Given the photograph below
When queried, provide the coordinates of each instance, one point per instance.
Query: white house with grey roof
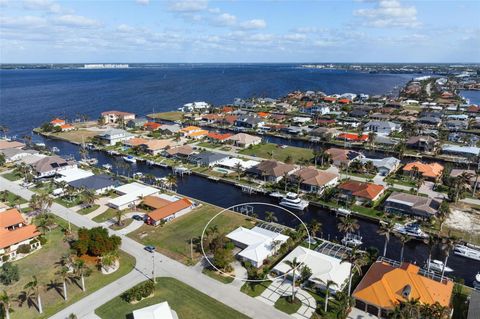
(383, 127)
(384, 166)
(465, 151)
(114, 136)
(207, 158)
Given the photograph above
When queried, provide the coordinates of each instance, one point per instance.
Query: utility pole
(191, 249)
(153, 268)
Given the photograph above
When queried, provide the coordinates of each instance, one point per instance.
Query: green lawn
(212, 273)
(11, 199)
(67, 202)
(124, 224)
(208, 145)
(88, 210)
(173, 238)
(12, 176)
(167, 116)
(283, 304)
(255, 289)
(186, 301)
(43, 264)
(107, 215)
(279, 154)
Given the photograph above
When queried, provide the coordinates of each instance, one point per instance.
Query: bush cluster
(139, 292)
(23, 249)
(96, 242)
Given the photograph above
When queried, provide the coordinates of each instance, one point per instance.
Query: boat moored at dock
(130, 159)
(467, 252)
(412, 230)
(292, 200)
(437, 266)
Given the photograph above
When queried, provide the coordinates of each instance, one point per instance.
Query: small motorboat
(467, 252)
(130, 159)
(412, 230)
(138, 175)
(292, 200)
(276, 194)
(107, 166)
(55, 149)
(476, 281)
(437, 266)
(352, 240)
(343, 211)
(40, 144)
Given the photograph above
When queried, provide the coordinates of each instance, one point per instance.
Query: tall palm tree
(64, 274)
(81, 270)
(89, 197)
(460, 184)
(348, 224)
(386, 229)
(270, 217)
(447, 246)
(315, 227)
(443, 213)
(328, 284)
(293, 265)
(403, 240)
(371, 139)
(34, 286)
(41, 202)
(238, 170)
(119, 215)
(431, 241)
(357, 260)
(285, 180)
(171, 181)
(6, 303)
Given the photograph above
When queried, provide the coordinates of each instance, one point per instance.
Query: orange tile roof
(136, 141)
(263, 114)
(383, 284)
(11, 217)
(364, 190)
(8, 238)
(329, 99)
(190, 128)
(198, 133)
(152, 126)
(57, 121)
(169, 209)
(155, 202)
(66, 126)
(433, 170)
(219, 136)
(227, 109)
(344, 101)
(353, 137)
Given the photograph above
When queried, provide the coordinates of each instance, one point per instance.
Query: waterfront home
(194, 107)
(152, 126)
(325, 133)
(130, 195)
(384, 166)
(210, 118)
(72, 174)
(456, 125)
(463, 151)
(160, 310)
(114, 136)
(385, 141)
(64, 127)
(137, 122)
(51, 165)
(244, 140)
(413, 205)
(16, 154)
(218, 137)
(423, 143)
(340, 156)
(228, 120)
(386, 284)
(4, 144)
(206, 158)
(313, 180)
(429, 171)
(169, 129)
(57, 122)
(383, 127)
(323, 268)
(271, 170)
(232, 163)
(99, 184)
(360, 192)
(166, 208)
(249, 121)
(16, 233)
(474, 176)
(117, 117)
(152, 146)
(180, 152)
(257, 244)
(353, 137)
(31, 159)
(193, 132)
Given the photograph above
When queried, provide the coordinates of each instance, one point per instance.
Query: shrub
(23, 249)
(139, 292)
(5, 258)
(96, 242)
(42, 240)
(9, 274)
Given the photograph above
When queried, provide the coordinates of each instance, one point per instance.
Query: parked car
(137, 217)
(150, 249)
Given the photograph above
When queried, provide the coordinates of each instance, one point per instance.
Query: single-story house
(383, 127)
(5, 144)
(117, 116)
(152, 126)
(114, 136)
(51, 165)
(170, 129)
(160, 310)
(136, 123)
(16, 154)
(464, 151)
(272, 170)
(168, 210)
(360, 191)
(249, 121)
(180, 152)
(341, 156)
(72, 174)
(57, 122)
(423, 143)
(218, 137)
(403, 203)
(257, 244)
(313, 180)
(351, 137)
(207, 158)
(131, 195)
(429, 171)
(97, 183)
(323, 267)
(232, 162)
(385, 165)
(385, 285)
(245, 140)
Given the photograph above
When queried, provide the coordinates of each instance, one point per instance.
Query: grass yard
(167, 116)
(173, 238)
(43, 264)
(125, 223)
(279, 154)
(186, 301)
(12, 176)
(283, 304)
(255, 289)
(76, 136)
(208, 145)
(11, 199)
(107, 215)
(88, 210)
(67, 202)
(212, 273)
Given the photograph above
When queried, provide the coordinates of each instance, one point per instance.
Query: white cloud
(225, 19)
(295, 37)
(44, 5)
(70, 20)
(389, 13)
(188, 5)
(253, 24)
(125, 28)
(143, 2)
(26, 22)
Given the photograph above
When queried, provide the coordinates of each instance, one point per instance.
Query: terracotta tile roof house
(154, 147)
(169, 211)
(115, 116)
(410, 204)
(136, 141)
(271, 170)
(218, 137)
(245, 140)
(314, 180)
(384, 286)
(345, 156)
(229, 119)
(155, 202)
(180, 151)
(429, 171)
(4, 145)
(361, 191)
(57, 122)
(353, 137)
(67, 127)
(14, 232)
(151, 126)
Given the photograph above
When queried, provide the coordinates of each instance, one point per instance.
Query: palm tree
(385, 229)
(34, 286)
(89, 197)
(357, 260)
(371, 139)
(403, 240)
(64, 274)
(443, 213)
(119, 215)
(81, 270)
(270, 217)
(328, 284)
(238, 170)
(348, 224)
(293, 265)
(315, 227)
(419, 184)
(41, 202)
(460, 184)
(5, 302)
(431, 241)
(171, 181)
(447, 246)
(285, 180)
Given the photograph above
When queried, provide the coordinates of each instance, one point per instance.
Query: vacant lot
(274, 151)
(186, 301)
(167, 116)
(77, 136)
(173, 238)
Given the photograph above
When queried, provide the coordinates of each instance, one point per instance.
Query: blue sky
(239, 31)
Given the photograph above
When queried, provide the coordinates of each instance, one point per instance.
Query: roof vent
(406, 291)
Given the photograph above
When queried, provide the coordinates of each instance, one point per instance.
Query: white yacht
(291, 200)
(276, 195)
(476, 282)
(107, 166)
(352, 240)
(467, 252)
(412, 230)
(130, 159)
(437, 266)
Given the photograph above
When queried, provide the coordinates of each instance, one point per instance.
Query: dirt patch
(466, 220)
